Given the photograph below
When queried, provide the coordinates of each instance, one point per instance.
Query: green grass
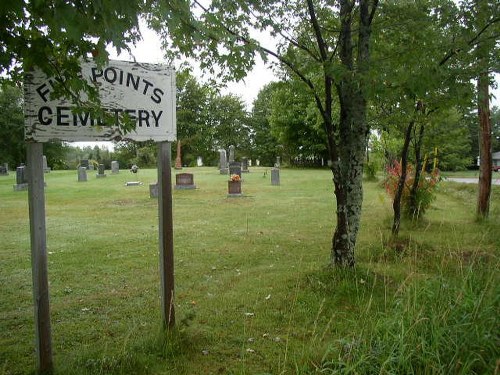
(254, 294)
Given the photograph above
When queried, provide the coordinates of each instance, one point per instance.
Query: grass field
(254, 294)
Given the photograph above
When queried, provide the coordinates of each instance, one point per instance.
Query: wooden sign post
(144, 93)
(36, 198)
(166, 240)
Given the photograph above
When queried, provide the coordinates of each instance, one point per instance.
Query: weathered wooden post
(146, 93)
(166, 234)
(36, 199)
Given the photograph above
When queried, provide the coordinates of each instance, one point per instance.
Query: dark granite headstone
(234, 189)
(235, 168)
(100, 171)
(184, 181)
(84, 163)
(21, 181)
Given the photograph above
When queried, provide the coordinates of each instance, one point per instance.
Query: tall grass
(254, 294)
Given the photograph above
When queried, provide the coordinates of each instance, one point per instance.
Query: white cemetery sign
(145, 93)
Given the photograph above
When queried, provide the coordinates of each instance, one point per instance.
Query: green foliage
(371, 169)
(229, 121)
(12, 146)
(54, 35)
(425, 193)
(296, 122)
(265, 146)
(193, 118)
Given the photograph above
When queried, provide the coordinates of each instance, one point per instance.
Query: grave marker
(21, 181)
(82, 174)
(4, 169)
(100, 171)
(275, 176)
(184, 181)
(115, 167)
(235, 168)
(244, 165)
(222, 162)
(46, 168)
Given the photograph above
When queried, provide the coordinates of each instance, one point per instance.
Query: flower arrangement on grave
(234, 185)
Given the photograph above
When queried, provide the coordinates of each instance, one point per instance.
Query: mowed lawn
(254, 294)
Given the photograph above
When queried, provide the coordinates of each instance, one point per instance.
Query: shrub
(424, 195)
(371, 171)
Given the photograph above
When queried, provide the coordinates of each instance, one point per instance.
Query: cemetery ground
(254, 294)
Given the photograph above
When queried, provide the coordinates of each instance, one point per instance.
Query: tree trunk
(350, 142)
(396, 205)
(414, 208)
(485, 166)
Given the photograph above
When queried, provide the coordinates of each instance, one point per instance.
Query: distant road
(494, 181)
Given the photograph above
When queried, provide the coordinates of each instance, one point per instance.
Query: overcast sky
(149, 50)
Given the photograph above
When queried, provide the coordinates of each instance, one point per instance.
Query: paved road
(494, 181)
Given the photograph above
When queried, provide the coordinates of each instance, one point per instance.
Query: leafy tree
(334, 38)
(265, 146)
(193, 102)
(12, 132)
(229, 121)
(12, 126)
(296, 122)
(53, 35)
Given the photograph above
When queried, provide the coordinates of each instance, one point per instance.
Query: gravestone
(100, 171)
(91, 167)
(84, 163)
(46, 168)
(4, 169)
(275, 176)
(199, 161)
(235, 168)
(234, 189)
(133, 183)
(21, 181)
(153, 190)
(231, 154)
(244, 165)
(222, 162)
(257, 163)
(82, 174)
(278, 162)
(115, 167)
(184, 181)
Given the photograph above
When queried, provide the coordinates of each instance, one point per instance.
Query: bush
(371, 171)
(424, 195)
